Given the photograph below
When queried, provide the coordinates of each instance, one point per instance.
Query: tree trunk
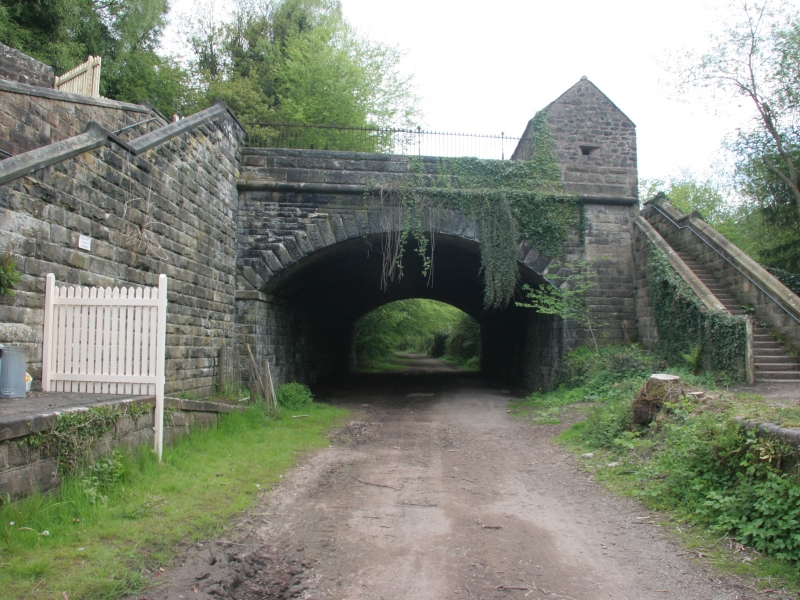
(657, 390)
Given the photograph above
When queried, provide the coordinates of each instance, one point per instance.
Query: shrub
(9, 276)
(294, 395)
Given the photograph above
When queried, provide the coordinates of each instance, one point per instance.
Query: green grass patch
(102, 546)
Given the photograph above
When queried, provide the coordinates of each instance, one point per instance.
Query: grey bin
(12, 372)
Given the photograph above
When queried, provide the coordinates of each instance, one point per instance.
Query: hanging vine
(506, 199)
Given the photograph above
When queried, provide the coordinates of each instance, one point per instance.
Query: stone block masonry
(171, 209)
(647, 329)
(594, 143)
(21, 68)
(608, 242)
(298, 347)
(32, 117)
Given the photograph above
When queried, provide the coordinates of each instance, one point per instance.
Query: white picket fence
(83, 79)
(106, 341)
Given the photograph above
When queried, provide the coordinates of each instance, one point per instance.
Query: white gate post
(160, 358)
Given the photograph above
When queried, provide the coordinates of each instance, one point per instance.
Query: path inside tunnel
(435, 489)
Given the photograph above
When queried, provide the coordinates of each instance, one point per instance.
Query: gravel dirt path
(435, 491)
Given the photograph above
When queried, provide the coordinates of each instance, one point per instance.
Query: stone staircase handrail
(706, 296)
(750, 269)
(95, 136)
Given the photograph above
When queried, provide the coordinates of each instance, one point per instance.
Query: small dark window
(588, 150)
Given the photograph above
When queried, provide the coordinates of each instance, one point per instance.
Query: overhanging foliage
(508, 200)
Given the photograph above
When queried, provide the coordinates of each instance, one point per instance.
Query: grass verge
(732, 498)
(64, 542)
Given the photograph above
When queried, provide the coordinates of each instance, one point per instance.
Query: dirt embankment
(434, 491)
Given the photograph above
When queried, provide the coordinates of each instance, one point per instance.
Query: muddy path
(435, 491)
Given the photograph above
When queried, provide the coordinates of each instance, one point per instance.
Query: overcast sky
(487, 67)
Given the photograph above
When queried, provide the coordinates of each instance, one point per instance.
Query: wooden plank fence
(106, 341)
(83, 79)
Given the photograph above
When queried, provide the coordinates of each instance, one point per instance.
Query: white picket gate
(83, 79)
(106, 341)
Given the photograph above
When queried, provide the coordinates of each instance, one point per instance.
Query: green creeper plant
(507, 199)
(683, 323)
(568, 295)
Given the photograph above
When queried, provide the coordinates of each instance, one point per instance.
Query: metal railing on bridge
(383, 141)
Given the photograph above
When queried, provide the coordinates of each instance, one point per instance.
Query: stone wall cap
(202, 405)
(39, 158)
(785, 434)
(43, 92)
(163, 134)
(20, 425)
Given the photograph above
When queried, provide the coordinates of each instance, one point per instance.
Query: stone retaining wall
(21, 68)
(32, 117)
(181, 194)
(25, 470)
(298, 347)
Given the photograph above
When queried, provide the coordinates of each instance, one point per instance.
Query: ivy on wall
(71, 439)
(686, 326)
(507, 200)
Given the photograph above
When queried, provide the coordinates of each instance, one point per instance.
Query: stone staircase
(773, 363)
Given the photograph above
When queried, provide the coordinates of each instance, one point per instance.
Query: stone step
(777, 367)
(772, 362)
(778, 376)
(761, 351)
(775, 359)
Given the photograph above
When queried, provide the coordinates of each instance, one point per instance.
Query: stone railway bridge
(280, 249)
(309, 238)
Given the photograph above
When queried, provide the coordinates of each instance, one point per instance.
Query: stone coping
(785, 434)
(23, 416)
(268, 185)
(42, 92)
(163, 134)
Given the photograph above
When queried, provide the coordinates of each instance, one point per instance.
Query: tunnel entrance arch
(302, 316)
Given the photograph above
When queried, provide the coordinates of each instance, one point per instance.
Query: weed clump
(294, 395)
(694, 459)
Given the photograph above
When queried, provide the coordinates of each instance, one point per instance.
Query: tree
(567, 295)
(298, 61)
(687, 193)
(757, 58)
(410, 324)
(125, 33)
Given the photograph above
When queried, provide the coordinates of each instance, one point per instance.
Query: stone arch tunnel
(309, 265)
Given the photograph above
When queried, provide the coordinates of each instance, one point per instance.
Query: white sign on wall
(85, 242)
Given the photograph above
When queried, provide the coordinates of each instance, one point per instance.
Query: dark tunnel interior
(331, 289)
